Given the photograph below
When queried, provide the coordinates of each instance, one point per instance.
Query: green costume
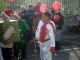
(23, 26)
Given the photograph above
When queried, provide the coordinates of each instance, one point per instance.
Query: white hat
(23, 6)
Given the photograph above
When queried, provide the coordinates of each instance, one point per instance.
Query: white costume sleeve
(8, 33)
(51, 35)
(37, 35)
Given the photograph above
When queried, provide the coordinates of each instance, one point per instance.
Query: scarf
(43, 31)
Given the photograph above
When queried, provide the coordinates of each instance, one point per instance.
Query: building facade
(69, 7)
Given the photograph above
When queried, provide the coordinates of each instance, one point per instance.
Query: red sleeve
(34, 8)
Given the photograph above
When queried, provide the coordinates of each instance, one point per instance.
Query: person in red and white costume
(45, 35)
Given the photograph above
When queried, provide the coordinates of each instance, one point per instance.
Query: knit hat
(8, 13)
(47, 14)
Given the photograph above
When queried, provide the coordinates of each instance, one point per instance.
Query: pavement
(70, 50)
(65, 36)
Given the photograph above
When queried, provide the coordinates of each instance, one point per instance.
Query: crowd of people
(47, 33)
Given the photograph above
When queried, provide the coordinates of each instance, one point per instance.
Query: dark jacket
(31, 15)
(23, 15)
(28, 15)
(52, 11)
(60, 22)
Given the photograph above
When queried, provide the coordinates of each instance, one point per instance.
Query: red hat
(18, 14)
(8, 13)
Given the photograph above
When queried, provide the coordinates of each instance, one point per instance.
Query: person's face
(4, 17)
(22, 9)
(38, 3)
(31, 8)
(44, 17)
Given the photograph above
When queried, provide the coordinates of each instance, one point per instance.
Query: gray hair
(22, 6)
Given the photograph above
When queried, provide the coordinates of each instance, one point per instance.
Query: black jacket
(60, 22)
(23, 15)
(29, 15)
(52, 11)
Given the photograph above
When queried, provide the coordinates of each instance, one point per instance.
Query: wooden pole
(35, 51)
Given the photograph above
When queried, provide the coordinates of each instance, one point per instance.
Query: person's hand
(52, 49)
(36, 41)
(56, 26)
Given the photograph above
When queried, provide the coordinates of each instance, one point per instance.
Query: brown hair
(30, 6)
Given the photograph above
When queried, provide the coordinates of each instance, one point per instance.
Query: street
(70, 50)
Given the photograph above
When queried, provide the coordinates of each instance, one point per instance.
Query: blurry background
(69, 7)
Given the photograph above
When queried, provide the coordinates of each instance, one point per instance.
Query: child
(7, 48)
(23, 27)
(45, 34)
